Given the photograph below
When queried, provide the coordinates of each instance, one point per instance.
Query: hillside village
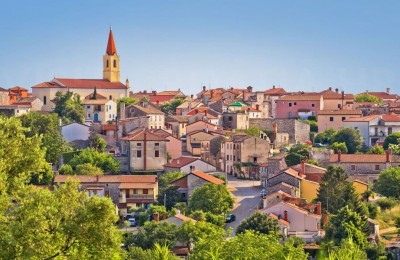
(303, 160)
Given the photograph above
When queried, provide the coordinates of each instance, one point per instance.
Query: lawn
(386, 218)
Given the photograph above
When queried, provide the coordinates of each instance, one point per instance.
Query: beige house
(100, 110)
(146, 151)
(194, 140)
(126, 191)
(334, 118)
(237, 120)
(176, 124)
(156, 118)
(333, 100)
(188, 165)
(110, 85)
(174, 145)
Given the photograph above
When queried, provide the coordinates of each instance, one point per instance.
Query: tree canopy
(211, 198)
(69, 106)
(259, 222)
(170, 107)
(376, 149)
(297, 153)
(352, 137)
(336, 147)
(106, 162)
(367, 98)
(391, 139)
(388, 183)
(325, 137)
(44, 224)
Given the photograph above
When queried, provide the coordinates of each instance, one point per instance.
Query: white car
(132, 221)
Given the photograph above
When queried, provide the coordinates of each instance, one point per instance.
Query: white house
(188, 165)
(75, 131)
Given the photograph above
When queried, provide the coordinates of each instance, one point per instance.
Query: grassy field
(386, 218)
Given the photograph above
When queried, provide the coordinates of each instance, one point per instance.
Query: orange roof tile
(359, 158)
(208, 177)
(180, 162)
(339, 112)
(361, 119)
(143, 134)
(301, 97)
(107, 178)
(275, 91)
(111, 48)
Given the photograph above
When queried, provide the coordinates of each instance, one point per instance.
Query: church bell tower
(111, 61)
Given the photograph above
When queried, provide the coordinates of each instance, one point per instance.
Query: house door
(96, 117)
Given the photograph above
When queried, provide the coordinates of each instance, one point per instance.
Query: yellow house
(308, 189)
(360, 187)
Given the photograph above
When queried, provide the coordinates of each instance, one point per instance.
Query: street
(246, 197)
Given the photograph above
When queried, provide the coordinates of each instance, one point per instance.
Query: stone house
(156, 118)
(288, 181)
(235, 120)
(298, 131)
(177, 125)
(210, 150)
(269, 104)
(204, 114)
(335, 101)
(126, 191)
(194, 139)
(188, 183)
(146, 152)
(334, 118)
(187, 106)
(174, 146)
(364, 167)
(188, 165)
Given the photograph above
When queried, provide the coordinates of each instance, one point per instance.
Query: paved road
(247, 198)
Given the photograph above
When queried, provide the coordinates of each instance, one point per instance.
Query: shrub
(386, 203)
(66, 169)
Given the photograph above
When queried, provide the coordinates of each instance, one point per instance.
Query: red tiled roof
(17, 88)
(391, 118)
(160, 98)
(111, 48)
(208, 177)
(98, 96)
(359, 158)
(272, 215)
(109, 127)
(361, 119)
(301, 97)
(339, 112)
(142, 134)
(107, 178)
(81, 83)
(168, 93)
(180, 162)
(275, 91)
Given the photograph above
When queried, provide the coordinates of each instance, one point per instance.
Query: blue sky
(169, 44)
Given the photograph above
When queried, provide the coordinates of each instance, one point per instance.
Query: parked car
(183, 138)
(230, 218)
(318, 145)
(263, 193)
(132, 221)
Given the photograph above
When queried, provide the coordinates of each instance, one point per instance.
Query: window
(290, 104)
(110, 97)
(107, 64)
(109, 107)
(230, 119)
(227, 157)
(44, 100)
(192, 168)
(234, 158)
(135, 191)
(343, 118)
(157, 144)
(139, 144)
(294, 103)
(109, 116)
(87, 107)
(377, 167)
(339, 106)
(331, 118)
(139, 153)
(88, 115)
(145, 191)
(353, 167)
(115, 63)
(313, 105)
(156, 153)
(390, 131)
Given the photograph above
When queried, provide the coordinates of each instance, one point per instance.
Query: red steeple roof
(111, 49)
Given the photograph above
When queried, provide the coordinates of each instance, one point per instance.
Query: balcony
(378, 134)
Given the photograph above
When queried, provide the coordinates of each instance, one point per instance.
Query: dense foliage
(211, 198)
(391, 139)
(336, 147)
(170, 107)
(296, 154)
(69, 107)
(351, 137)
(388, 183)
(367, 98)
(376, 149)
(259, 222)
(168, 193)
(106, 162)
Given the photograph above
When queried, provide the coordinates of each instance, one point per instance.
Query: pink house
(303, 105)
(174, 146)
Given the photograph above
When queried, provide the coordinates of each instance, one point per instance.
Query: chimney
(156, 218)
(144, 91)
(302, 168)
(205, 113)
(388, 155)
(258, 107)
(158, 102)
(388, 90)
(204, 88)
(196, 111)
(191, 96)
(177, 161)
(212, 93)
(339, 154)
(330, 88)
(273, 86)
(337, 90)
(154, 92)
(122, 110)
(285, 215)
(319, 208)
(325, 219)
(249, 89)
(164, 215)
(127, 83)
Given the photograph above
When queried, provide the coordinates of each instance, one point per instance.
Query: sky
(169, 44)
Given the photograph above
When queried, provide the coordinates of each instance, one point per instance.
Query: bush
(66, 169)
(217, 220)
(336, 147)
(88, 169)
(143, 218)
(386, 203)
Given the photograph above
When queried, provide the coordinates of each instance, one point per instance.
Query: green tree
(97, 143)
(88, 169)
(170, 196)
(170, 107)
(388, 183)
(367, 98)
(348, 249)
(66, 169)
(336, 147)
(104, 161)
(325, 137)
(127, 100)
(211, 198)
(69, 106)
(59, 224)
(157, 253)
(198, 215)
(386, 203)
(153, 232)
(346, 224)
(191, 232)
(252, 130)
(376, 149)
(48, 127)
(20, 156)
(297, 153)
(166, 178)
(391, 139)
(352, 137)
(259, 222)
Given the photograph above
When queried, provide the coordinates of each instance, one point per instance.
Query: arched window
(107, 63)
(115, 63)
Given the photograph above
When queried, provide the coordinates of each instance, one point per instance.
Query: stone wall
(299, 132)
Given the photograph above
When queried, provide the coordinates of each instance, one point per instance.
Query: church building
(110, 86)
